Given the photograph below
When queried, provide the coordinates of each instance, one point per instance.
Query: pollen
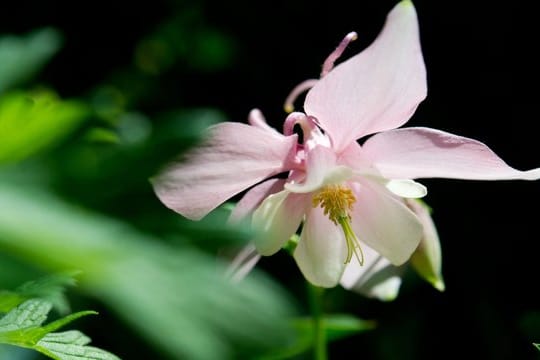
(337, 202)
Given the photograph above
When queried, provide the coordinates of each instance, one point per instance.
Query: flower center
(337, 201)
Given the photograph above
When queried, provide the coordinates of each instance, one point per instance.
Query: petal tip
(407, 188)
(388, 290)
(439, 284)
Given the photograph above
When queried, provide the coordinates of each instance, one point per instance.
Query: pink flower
(352, 200)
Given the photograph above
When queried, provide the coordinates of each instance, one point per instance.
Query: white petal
(386, 290)
(253, 198)
(277, 219)
(384, 223)
(322, 250)
(406, 188)
(377, 278)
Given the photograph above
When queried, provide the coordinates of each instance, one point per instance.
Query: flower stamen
(337, 201)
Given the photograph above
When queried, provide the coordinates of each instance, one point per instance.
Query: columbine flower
(352, 200)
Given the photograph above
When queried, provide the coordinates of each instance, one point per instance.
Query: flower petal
(376, 90)
(377, 278)
(322, 250)
(321, 169)
(384, 223)
(406, 188)
(234, 157)
(254, 197)
(427, 259)
(423, 152)
(356, 274)
(242, 264)
(353, 157)
(256, 118)
(277, 219)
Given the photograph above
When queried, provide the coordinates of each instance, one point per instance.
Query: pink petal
(254, 197)
(256, 118)
(384, 223)
(321, 169)
(377, 278)
(234, 157)
(354, 157)
(322, 250)
(242, 264)
(277, 219)
(376, 90)
(422, 152)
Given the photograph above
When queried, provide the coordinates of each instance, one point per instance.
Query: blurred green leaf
(131, 150)
(22, 326)
(28, 124)
(102, 135)
(185, 39)
(83, 169)
(176, 297)
(18, 273)
(21, 57)
(212, 50)
(10, 352)
(50, 288)
(537, 346)
(337, 326)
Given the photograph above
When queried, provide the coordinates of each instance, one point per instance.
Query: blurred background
(129, 86)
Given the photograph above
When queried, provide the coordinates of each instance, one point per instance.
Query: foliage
(22, 57)
(336, 326)
(22, 324)
(50, 288)
(30, 123)
(75, 196)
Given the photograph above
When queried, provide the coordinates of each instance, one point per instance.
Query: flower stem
(319, 333)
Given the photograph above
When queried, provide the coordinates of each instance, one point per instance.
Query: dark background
(481, 84)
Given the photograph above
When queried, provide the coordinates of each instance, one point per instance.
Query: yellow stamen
(353, 245)
(337, 201)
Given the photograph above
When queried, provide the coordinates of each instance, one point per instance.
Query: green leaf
(165, 292)
(9, 299)
(337, 326)
(31, 313)
(537, 346)
(28, 124)
(71, 345)
(50, 288)
(22, 327)
(21, 57)
(102, 135)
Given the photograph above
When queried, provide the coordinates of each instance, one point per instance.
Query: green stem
(319, 333)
